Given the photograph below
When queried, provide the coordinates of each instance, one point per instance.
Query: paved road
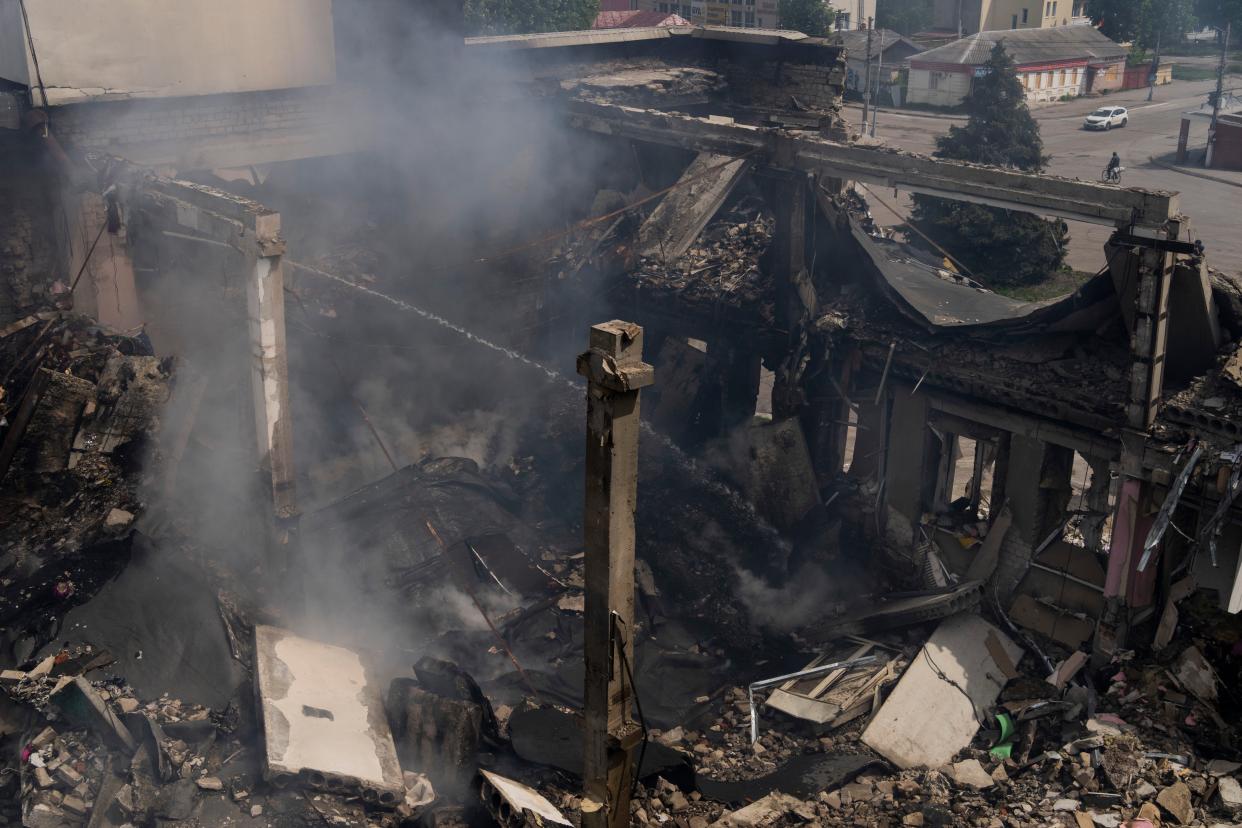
(1214, 207)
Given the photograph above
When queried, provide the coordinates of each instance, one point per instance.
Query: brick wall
(28, 262)
(214, 130)
(817, 86)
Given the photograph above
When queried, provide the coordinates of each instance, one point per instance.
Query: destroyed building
(305, 519)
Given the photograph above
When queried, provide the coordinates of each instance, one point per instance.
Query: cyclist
(1113, 172)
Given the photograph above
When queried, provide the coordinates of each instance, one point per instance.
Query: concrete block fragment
(323, 719)
(930, 715)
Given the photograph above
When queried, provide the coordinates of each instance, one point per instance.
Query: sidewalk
(1135, 99)
(1231, 177)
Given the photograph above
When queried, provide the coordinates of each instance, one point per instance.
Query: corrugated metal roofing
(855, 41)
(1028, 46)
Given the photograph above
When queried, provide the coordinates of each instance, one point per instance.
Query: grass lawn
(1188, 72)
(1065, 281)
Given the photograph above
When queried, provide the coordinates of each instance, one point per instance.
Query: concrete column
(910, 467)
(269, 371)
(1124, 586)
(1038, 489)
(615, 372)
(795, 294)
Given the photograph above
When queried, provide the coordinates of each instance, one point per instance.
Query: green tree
(494, 17)
(1219, 12)
(998, 246)
(1117, 19)
(1145, 23)
(906, 16)
(813, 17)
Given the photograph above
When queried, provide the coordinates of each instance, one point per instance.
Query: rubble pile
(79, 408)
(723, 268)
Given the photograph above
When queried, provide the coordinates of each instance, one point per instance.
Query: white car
(1107, 117)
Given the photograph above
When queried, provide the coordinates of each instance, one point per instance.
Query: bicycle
(1111, 175)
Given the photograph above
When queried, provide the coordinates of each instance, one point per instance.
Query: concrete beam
(1087, 443)
(1044, 194)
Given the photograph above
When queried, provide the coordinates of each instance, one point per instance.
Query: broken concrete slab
(872, 615)
(934, 710)
(761, 812)
(509, 802)
(323, 719)
(1057, 624)
(1196, 675)
(435, 735)
(970, 773)
(683, 213)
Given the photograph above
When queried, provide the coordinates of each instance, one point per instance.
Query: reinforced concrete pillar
(269, 375)
(615, 375)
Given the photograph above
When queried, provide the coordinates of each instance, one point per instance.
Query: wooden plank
(815, 662)
(933, 711)
(878, 678)
(832, 677)
(799, 706)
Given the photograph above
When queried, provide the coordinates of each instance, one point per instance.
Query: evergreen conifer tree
(1000, 247)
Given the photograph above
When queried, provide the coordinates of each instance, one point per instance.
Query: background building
(1051, 63)
(890, 56)
(971, 16)
(853, 14)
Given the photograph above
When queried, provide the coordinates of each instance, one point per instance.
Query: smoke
(805, 596)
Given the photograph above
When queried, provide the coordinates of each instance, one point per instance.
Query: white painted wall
(950, 88)
(88, 50)
(1054, 84)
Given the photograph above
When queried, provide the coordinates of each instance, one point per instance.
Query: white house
(1052, 63)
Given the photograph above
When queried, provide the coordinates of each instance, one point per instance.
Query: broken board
(323, 719)
(934, 710)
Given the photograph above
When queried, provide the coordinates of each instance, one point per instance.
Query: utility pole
(1220, 94)
(1155, 69)
(875, 108)
(867, 80)
(959, 19)
(615, 374)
